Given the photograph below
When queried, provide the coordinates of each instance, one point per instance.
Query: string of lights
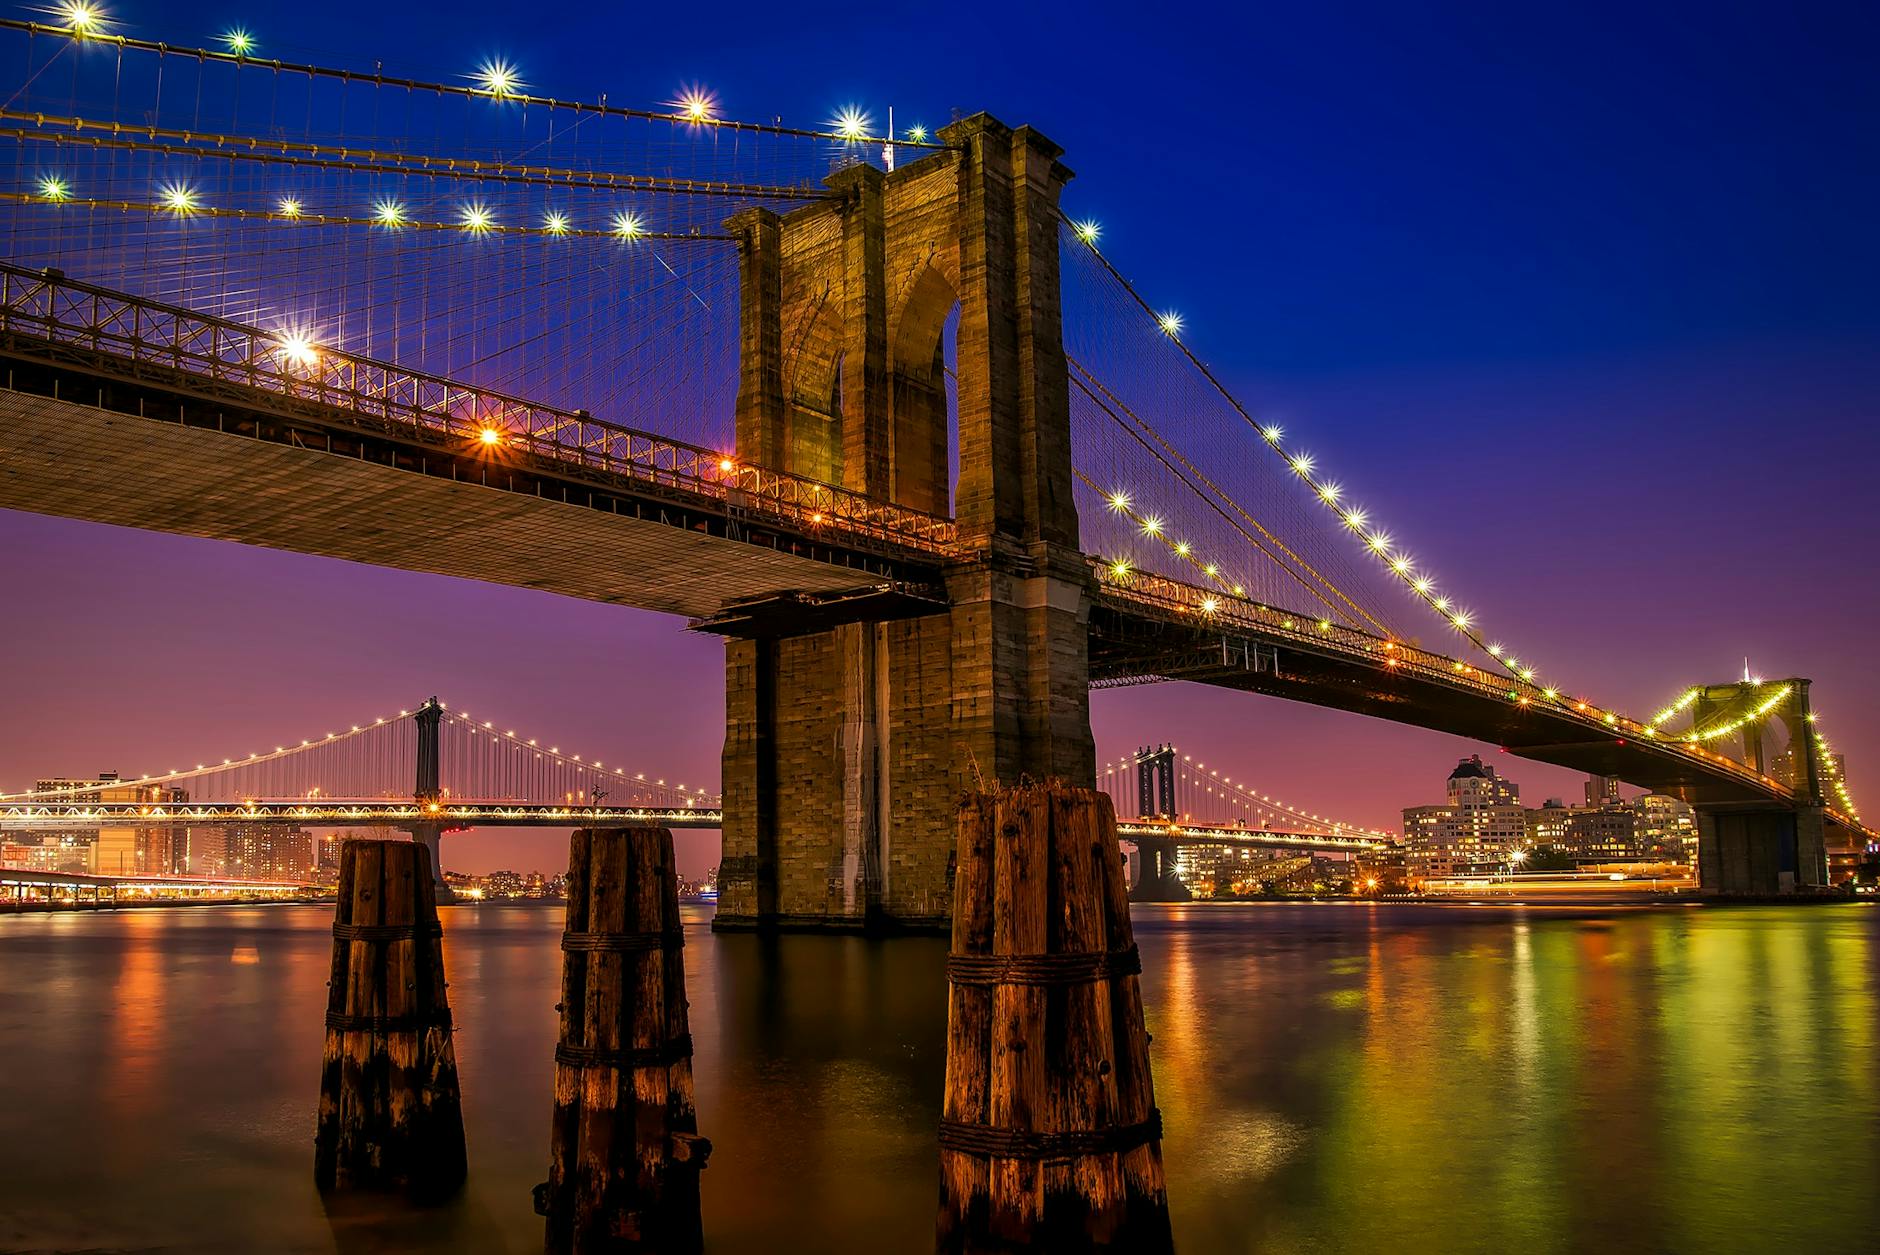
(1104, 399)
(174, 774)
(574, 761)
(1831, 770)
(495, 80)
(179, 200)
(1728, 727)
(1120, 775)
(1255, 798)
(174, 142)
(1676, 708)
(1376, 541)
(247, 762)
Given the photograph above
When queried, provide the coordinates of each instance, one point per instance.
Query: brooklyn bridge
(873, 406)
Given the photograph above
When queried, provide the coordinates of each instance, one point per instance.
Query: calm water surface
(1334, 1078)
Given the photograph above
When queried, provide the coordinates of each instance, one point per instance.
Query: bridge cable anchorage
(1303, 466)
(1085, 381)
(489, 91)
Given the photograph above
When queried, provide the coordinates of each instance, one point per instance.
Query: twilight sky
(1579, 300)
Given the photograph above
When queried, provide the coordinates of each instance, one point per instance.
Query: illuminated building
(1666, 828)
(118, 851)
(1212, 871)
(1602, 791)
(267, 852)
(1473, 832)
(1588, 834)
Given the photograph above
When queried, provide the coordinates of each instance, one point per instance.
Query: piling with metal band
(1049, 1135)
(625, 1152)
(390, 1112)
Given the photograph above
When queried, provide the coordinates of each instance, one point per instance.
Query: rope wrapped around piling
(1043, 969)
(622, 943)
(976, 1139)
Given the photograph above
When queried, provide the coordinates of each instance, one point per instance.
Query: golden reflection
(139, 1014)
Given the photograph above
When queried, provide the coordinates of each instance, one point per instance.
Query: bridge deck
(80, 461)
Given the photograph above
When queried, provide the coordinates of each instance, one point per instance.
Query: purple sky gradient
(1580, 305)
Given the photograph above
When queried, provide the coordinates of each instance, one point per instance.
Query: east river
(1333, 1078)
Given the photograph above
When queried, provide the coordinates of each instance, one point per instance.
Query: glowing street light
(299, 350)
(476, 219)
(389, 213)
(490, 436)
(239, 42)
(54, 188)
(555, 224)
(917, 133)
(1170, 322)
(178, 197)
(696, 104)
(289, 207)
(851, 123)
(628, 227)
(498, 78)
(81, 19)
(1087, 230)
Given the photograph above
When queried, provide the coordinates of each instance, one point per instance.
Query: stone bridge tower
(1761, 850)
(845, 748)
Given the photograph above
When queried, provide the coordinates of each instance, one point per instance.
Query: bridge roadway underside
(157, 458)
(1129, 642)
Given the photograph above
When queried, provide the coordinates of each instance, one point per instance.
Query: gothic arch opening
(812, 435)
(923, 428)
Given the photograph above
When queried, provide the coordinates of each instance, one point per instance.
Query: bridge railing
(1190, 603)
(46, 305)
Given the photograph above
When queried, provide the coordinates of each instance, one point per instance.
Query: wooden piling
(1049, 1135)
(390, 1112)
(625, 1152)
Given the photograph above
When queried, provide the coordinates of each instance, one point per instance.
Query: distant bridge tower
(1155, 782)
(428, 790)
(1755, 848)
(847, 739)
(430, 718)
(1157, 879)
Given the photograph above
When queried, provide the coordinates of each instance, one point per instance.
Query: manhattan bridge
(872, 405)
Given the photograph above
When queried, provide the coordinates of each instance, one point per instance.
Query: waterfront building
(1474, 831)
(253, 852)
(1221, 871)
(1666, 828)
(1587, 834)
(1602, 791)
(114, 851)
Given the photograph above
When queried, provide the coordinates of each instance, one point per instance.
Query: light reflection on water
(1333, 1079)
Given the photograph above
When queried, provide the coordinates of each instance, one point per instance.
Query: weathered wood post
(1049, 1135)
(625, 1152)
(390, 1113)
